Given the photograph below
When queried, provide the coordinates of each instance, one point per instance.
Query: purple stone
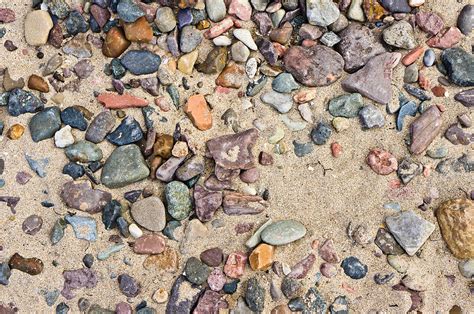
(185, 17)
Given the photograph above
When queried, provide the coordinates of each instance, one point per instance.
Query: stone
(347, 106)
(115, 43)
(190, 38)
(191, 168)
(129, 11)
(183, 296)
(261, 257)
(374, 79)
(32, 224)
(212, 257)
(429, 58)
(83, 151)
(80, 195)
(455, 219)
(216, 279)
(20, 102)
(268, 50)
(314, 66)
(371, 117)
(124, 166)
(114, 101)
(235, 203)
(291, 288)
(100, 126)
(160, 296)
(429, 22)
(206, 202)
(466, 268)
(167, 261)
(73, 117)
(321, 12)
(283, 232)
(105, 254)
(37, 83)
(198, 111)
(76, 279)
(78, 47)
(284, 83)
(139, 31)
(5, 274)
(410, 230)
(215, 61)
(140, 62)
(279, 101)
(241, 9)
(15, 132)
(425, 129)
(7, 15)
(195, 271)
(10, 84)
(328, 252)
(330, 39)
(31, 265)
(100, 15)
(254, 295)
(339, 306)
(167, 170)
(385, 241)
(408, 169)
(128, 285)
(396, 6)
(149, 213)
(210, 302)
(400, 35)
(231, 76)
(216, 10)
(239, 52)
(165, 19)
(75, 23)
(235, 265)
(44, 124)
(465, 97)
(446, 38)
(178, 200)
(466, 19)
(37, 25)
(354, 268)
(186, 62)
(459, 65)
(321, 133)
(382, 162)
(128, 131)
(282, 34)
(85, 228)
(149, 244)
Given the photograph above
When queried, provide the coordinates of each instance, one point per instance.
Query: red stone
(7, 15)
(235, 265)
(412, 56)
(149, 244)
(115, 101)
(336, 149)
(381, 161)
(429, 22)
(445, 39)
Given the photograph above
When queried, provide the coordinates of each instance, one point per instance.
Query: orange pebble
(412, 56)
(336, 149)
(198, 111)
(261, 257)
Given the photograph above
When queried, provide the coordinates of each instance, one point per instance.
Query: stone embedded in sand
(85, 228)
(76, 279)
(425, 129)
(149, 244)
(38, 83)
(178, 200)
(445, 39)
(115, 43)
(232, 76)
(206, 202)
(7, 15)
(212, 257)
(410, 230)
(459, 65)
(301, 269)
(261, 257)
(183, 296)
(186, 62)
(83, 151)
(234, 151)
(198, 111)
(314, 66)
(140, 62)
(115, 101)
(374, 80)
(456, 221)
(167, 261)
(139, 31)
(128, 285)
(240, 204)
(215, 61)
(429, 22)
(191, 168)
(283, 232)
(235, 265)
(412, 56)
(37, 25)
(32, 266)
(167, 169)
(20, 102)
(465, 97)
(80, 195)
(327, 251)
(466, 19)
(149, 213)
(381, 161)
(211, 302)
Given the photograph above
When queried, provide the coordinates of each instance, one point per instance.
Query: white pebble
(160, 296)
(135, 231)
(245, 36)
(246, 104)
(63, 137)
(416, 3)
(222, 41)
(251, 67)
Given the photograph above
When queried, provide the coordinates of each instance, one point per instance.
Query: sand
(349, 193)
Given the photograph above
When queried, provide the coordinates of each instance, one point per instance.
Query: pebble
(355, 11)
(76, 279)
(35, 82)
(83, 151)
(212, 257)
(105, 254)
(37, 165)
(7, 15)
(178, 200)
(231, 76)
(321, 12)
(284, 83)
(254, 295)
(445, 39)
(371, 117)
(381, 162)
(100, 126)
(128, 285)
(160, 296)
(129, 11)
(128, 131)
(75, 23)
(385, 241)
(407, 108)
(81, 196)
(215, 61)
(140, 62)
(459, 65)
(465, 97)
(321, 133)
(396, 6)
(20, 102)
(282, 34)
(115, 43)
(190, 38)
(261, 257)
(183, 296)
(466, 19)
(198, 111)
(32, 224)
(239, 52)
(37, 25)
(410, 230)
(165, 19)
(22, 177)
(15, 132)
(149, 213)
(88, 260)
(283, 232)
(347, 106)
(57, 232)
(328, 252)
(330, 39)
(30, 265)
(429, 22)
(44, 124)
(73, 117)
(354, 268)
(466, 268)
(195, 271)
(279, 101)
(149, 244)
(339, 306)
(425, 129)
(63, 137)
(245, 37)
(124, 166)
(429, 58)
(85, 228)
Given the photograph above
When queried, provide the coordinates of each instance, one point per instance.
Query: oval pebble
(354, 268)
(429, 57)
(283, 232)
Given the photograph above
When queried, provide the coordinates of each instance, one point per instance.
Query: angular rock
(445, 39)
(100, 126)
(206, 203)
(128, 131)
(20, 102)
(183, 296)
(460, 66)
(429, 22)
(80, 195)
(255, 295)
(83, 151)
(76, 279)
(114, 101)
(466, 97)
(149, 244)
(425, 129)
(44, 124)
(37, 25)
(321, 12)
(85, 228)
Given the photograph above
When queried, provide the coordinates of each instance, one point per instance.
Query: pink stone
(241, 9)
(123, 308)
(216, 279)
(301, 269)
(7, 15)
(445, 39)
(328, 252)
(223, 90)
(328, 270)
(424, 130)
(235, 265)
(381, 161)
(219, 28)
(149, 244)
(429, 22)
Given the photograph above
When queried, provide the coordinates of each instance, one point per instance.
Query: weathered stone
(44, 124)
(459, 65)
(425, 129)
(149, 213)
(149, 244)
(81, 196)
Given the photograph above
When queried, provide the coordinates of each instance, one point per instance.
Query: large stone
(140, 62)
(44, 124)
(374, 80)
(465, 97)
(149, 213)
(400, 35)
(20, 102)
(37, 25)
(283, 232)
(81, 196)
(425, 129)
(460, 66)
(314, 66)
(456, 221)
(124, 166)
(178, 200)
(321, 12)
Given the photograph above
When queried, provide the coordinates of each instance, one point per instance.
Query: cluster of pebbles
(278, 54)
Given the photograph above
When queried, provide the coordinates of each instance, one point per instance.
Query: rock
(168, 261)
(412, 56)
(387, 243)
(455, 219)
(165, 19)
(20, 102)
(254, 295)
(396, 6)
(178, 200)
(114, 101)
(321, 12)
(191, 168)
(216, 10)
(321, 133)
(241, 9)
(374, 79)
(73, 117)
(32, 224)
(44, 124)
(240, 204)
(410, 230)
(149, 213)
(5, 274)
(408, 169)
(466, 19)
(291, 288)
(149, 244)
(102, 124)
(425, 129)
(124, 166)
(283, 232)
(140, 62)
(128, 131)
(100, 15)
(183, 296)
(330, 39)
(129, 11)
(429, 58)
(36, 82)
(198, 111)
(459, 65)
(186, 62)
(281, 102)
(215, 61)
(328, 252)
(234, 151)
(110, 214)
(76, 279)
(268, 50)
(210, 302)
(314, 66)
(245, 37)
(283, 34)
(206, 202)
(83, 151)
(445, 39)
(115, 43)
(105, 254)
(261, 257)
(7, 15)
(85, 228)
(429, 22)
(347, 106)
(411, 74)
(10, 84)
(190, 38)
(216, 279)
(128, 285)
(465, 97)
(239, 52)
(32, 266)
(37, 26)
(212, 257)
(400, 35)
(231, 76)
(78, 47)
(52, 65)
(371, 117)
(81, 196)
(354, 268)
(235, 264)
(139, 31)
(195, 271)
(284, 83)
(466, 268)
(57, 232)
(381, 162)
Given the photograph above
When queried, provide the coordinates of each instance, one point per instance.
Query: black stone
(255, 295)
(88, 260)
(132, 196)
(74, 170)
(20, 102)
(129, 131)
(118, 70)
(74, 117)
(62, 308)
(321, 133)
(354, 268)
(110, 214)
(231, 287)
(459, 65)
(75, 23)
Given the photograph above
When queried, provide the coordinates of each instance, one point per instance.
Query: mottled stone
(149, 244)
(81, 196)
(425, 129)
(459, 65)
(44, 124)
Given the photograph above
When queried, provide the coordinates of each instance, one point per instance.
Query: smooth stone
(128, 285)
(354, 268)
(31, 265)
(178, 200)
(149, 213)
(245, 37)
(410, 230)
(83, 151)
(355, 11)
(32, 224)
(190, 38)
(371, 117)
(321, 12)
(281, 102)
(149, 244)
(255, 295)
(466, 97)
(284, 83)
(128, 131)
(140, 62)
(37, 25)
(216, 10)
(63, 137)
(409, 108)
(396, 6)
(400, 35)
(429, 57)
(85, 228)
(73, 117)
(195, 271)
(321, 133)
(466, 268)
(57, 232)
(129, 11)
(124, 166)
(165, 19)
(330, 39)
(339, 306)
(465, 21)
(425, 129)
(239, 52)
(44, 124)
(387, 244)
(302, 149)
(283, 232)
(459, 65)
(347, 106)
(100, 126)
(20, 102)
(212, 257)
(80, 195)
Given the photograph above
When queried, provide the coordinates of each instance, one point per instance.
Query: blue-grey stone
(321, 133)
(283, 232)
(408, 108)
(140, 62)
(74, 117)
(416, 92)
(75, 23)
(396, 6)
(105, 254)
(459, 65)
(354, 268)
(371, 117)
(190, 38)
(110, 214)
(429, 57)
(57, 233)
(284, 83)
(20, 102)
(5, 274)
(347, 106)
(129, 11)
(85, 228)
(466, 19)
(302, 149)
(44, 124)
(83, 151)
(74, 170)
(37, 165)
(50, 296)
(128, 131)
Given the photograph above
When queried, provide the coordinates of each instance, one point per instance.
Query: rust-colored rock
(116, 101)
(15, 131)
(115, 43)
(198, 111)
(439, 91)
(412, 56)
(281, 309)
(381, 161)
(235, 265)
(36, 82)
(456, 221)
(139, 31)
(168, 261)
(373, 10)
(149, 244)
(261, 257)
(445, 39)
(163, 146)
(32, 266)
(232, 76)
(424, 130)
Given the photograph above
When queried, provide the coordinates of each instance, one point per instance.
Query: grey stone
(400, 35)
(149, 213)
(459, 65)
(83, 151)
(100, 126)
(347, 106)
(283, 232)
(140, 62)
(371, 117)
(321, 12)
(85, 228)
(44, 124)
(178, 200)
(20, 102)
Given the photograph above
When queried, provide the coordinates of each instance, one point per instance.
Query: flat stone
(191, 168)
(115, 43)
(37, 25)
(371, 117)
(74, 117)
(85, 228)
(385, 241)
(279, 101)
(206, 202)
(283, 232)
(410, 230)
(382, 162)
(149, 213)
(195, 271)
(128, 285)
(32, 224)
(44, 124)
(212, 257)
(167, 170)
(100, 126)
(396, 6)
(76, 279)
(124, 166)
(190, 38)
(129, 11)
(400, 35)
(216, 10)
(459, 65)
(321, 12)
(425, 129)
(80, 195)
(140, 62)
(165, 262)
(149, 244)
(183, 296)
(255, 295)
(83, 151)
(165, 19)
(215, 61)
(446, 38)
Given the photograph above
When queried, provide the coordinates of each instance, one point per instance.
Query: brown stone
(139, 31)
(212, 257)
(456, 221)
(373, 10)
(168, 261)
(15, 131)
(424, 130)
(163, 146)
(232, 76)
(36, 82)
(261, 257)
(283, 34)
(281, 309)
(32, 266)
(115, 43)
(149, 244)
(240, 204)
(80, 195)
(198, 111)
(412, 56)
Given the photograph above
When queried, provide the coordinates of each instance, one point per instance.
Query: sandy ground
(350, 193)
